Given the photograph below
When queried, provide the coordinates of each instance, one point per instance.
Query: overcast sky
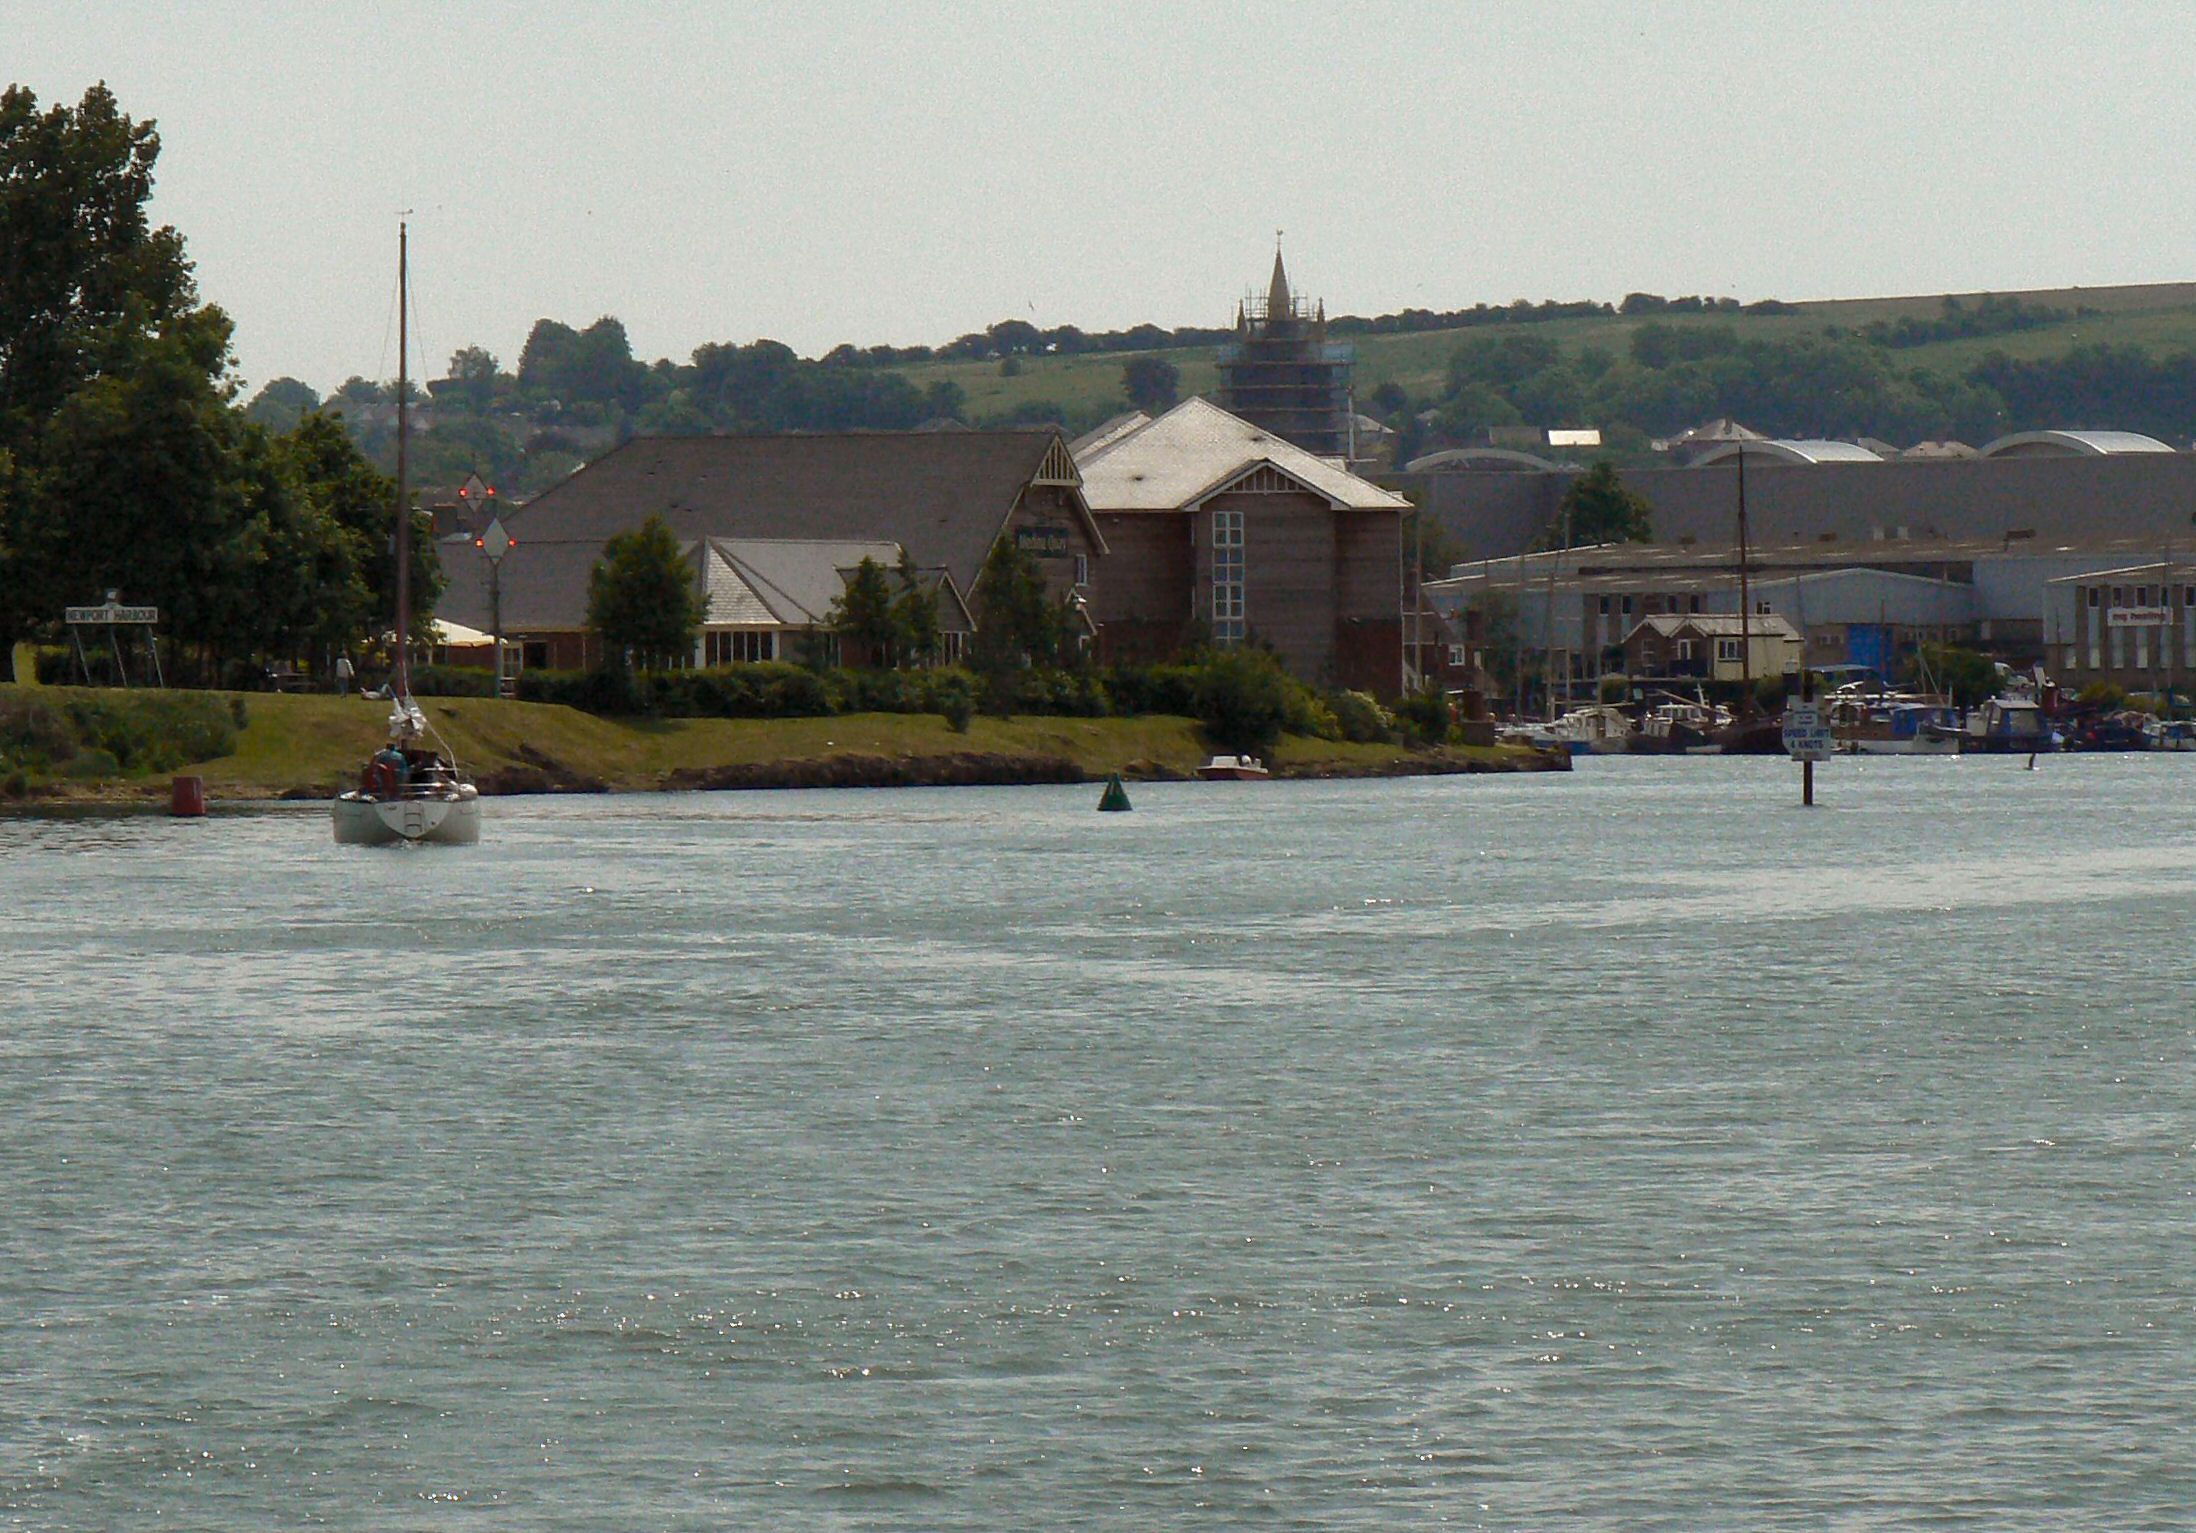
(903, 172)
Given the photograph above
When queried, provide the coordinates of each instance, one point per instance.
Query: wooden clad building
(1218, 529)
(749, 505)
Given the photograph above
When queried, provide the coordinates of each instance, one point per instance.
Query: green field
(2158, 316)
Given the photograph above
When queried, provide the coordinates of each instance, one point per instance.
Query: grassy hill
(2158, 316)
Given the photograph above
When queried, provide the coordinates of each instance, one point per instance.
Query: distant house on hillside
(1219, 529)
(772, 524)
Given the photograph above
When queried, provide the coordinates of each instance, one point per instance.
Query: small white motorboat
(1233, 769)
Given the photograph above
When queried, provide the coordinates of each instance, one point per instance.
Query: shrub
(2103, 696)
(953, 694)
(1359, 717)
(1066, 693)
(93, 763)
(1243, 698)
(1424, 716)
(1136, 689)
(34, 733)
(452, 681)
(151, 731)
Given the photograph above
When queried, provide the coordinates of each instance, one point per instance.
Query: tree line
(125, 464)
(1840, 384)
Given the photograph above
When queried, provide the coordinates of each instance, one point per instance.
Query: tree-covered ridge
(1832, 383)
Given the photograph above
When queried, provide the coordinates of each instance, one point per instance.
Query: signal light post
(494, 543)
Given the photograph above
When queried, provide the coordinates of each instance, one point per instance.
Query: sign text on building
(1044, 542)
(2137, 617)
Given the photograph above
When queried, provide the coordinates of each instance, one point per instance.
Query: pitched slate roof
(792, 581)
(942, 495)
(1196, 448)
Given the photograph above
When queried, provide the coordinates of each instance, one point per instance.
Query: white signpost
(1807, 740)
(1806, 731)
(113, 615)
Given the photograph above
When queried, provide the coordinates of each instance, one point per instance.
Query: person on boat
(393, 769)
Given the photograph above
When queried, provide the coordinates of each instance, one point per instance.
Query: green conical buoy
(1115, 800)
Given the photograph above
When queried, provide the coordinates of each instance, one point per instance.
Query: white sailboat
(412, 788)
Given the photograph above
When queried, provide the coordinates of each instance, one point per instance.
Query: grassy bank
(313, 745)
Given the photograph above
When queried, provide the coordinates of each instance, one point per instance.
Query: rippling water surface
(1631, 1149)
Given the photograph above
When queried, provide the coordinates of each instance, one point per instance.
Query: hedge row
(1244, 695)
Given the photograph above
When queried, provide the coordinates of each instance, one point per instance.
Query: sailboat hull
(452, 820)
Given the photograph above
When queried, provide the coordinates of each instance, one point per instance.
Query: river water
(1631, 1149)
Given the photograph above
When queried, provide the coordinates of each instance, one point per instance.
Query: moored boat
(2004, 726)
(1895, 727)
(1233, 769)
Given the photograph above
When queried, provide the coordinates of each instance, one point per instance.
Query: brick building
(1218, 529)
(773, 522)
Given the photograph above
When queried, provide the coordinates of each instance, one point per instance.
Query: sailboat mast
(403, 511)
(1746, 599)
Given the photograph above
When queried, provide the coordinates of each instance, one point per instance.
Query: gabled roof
(1714, 625)
(1196, 450)
(1109, 432)
(792, 581)
(944, 496)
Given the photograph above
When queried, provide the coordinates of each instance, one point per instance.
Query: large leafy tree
(104, 348)
(1600, 507)
(1151, 384)
(1018, 622)
(358, 583)
(83, 270)
(642, 598)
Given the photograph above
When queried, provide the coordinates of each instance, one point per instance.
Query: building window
(1082, 569)
(1456, 656)
(952, 645)
(1227, 577)
(534, 654)
(1684, 650)
(743, 646)
(2119, 596)
(2094, 593)
(1627, 606)
(1692, 604)
(1605, 606)
(1727, 651)
(2142, 596)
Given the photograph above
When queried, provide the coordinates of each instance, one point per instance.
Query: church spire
(1277, 297)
